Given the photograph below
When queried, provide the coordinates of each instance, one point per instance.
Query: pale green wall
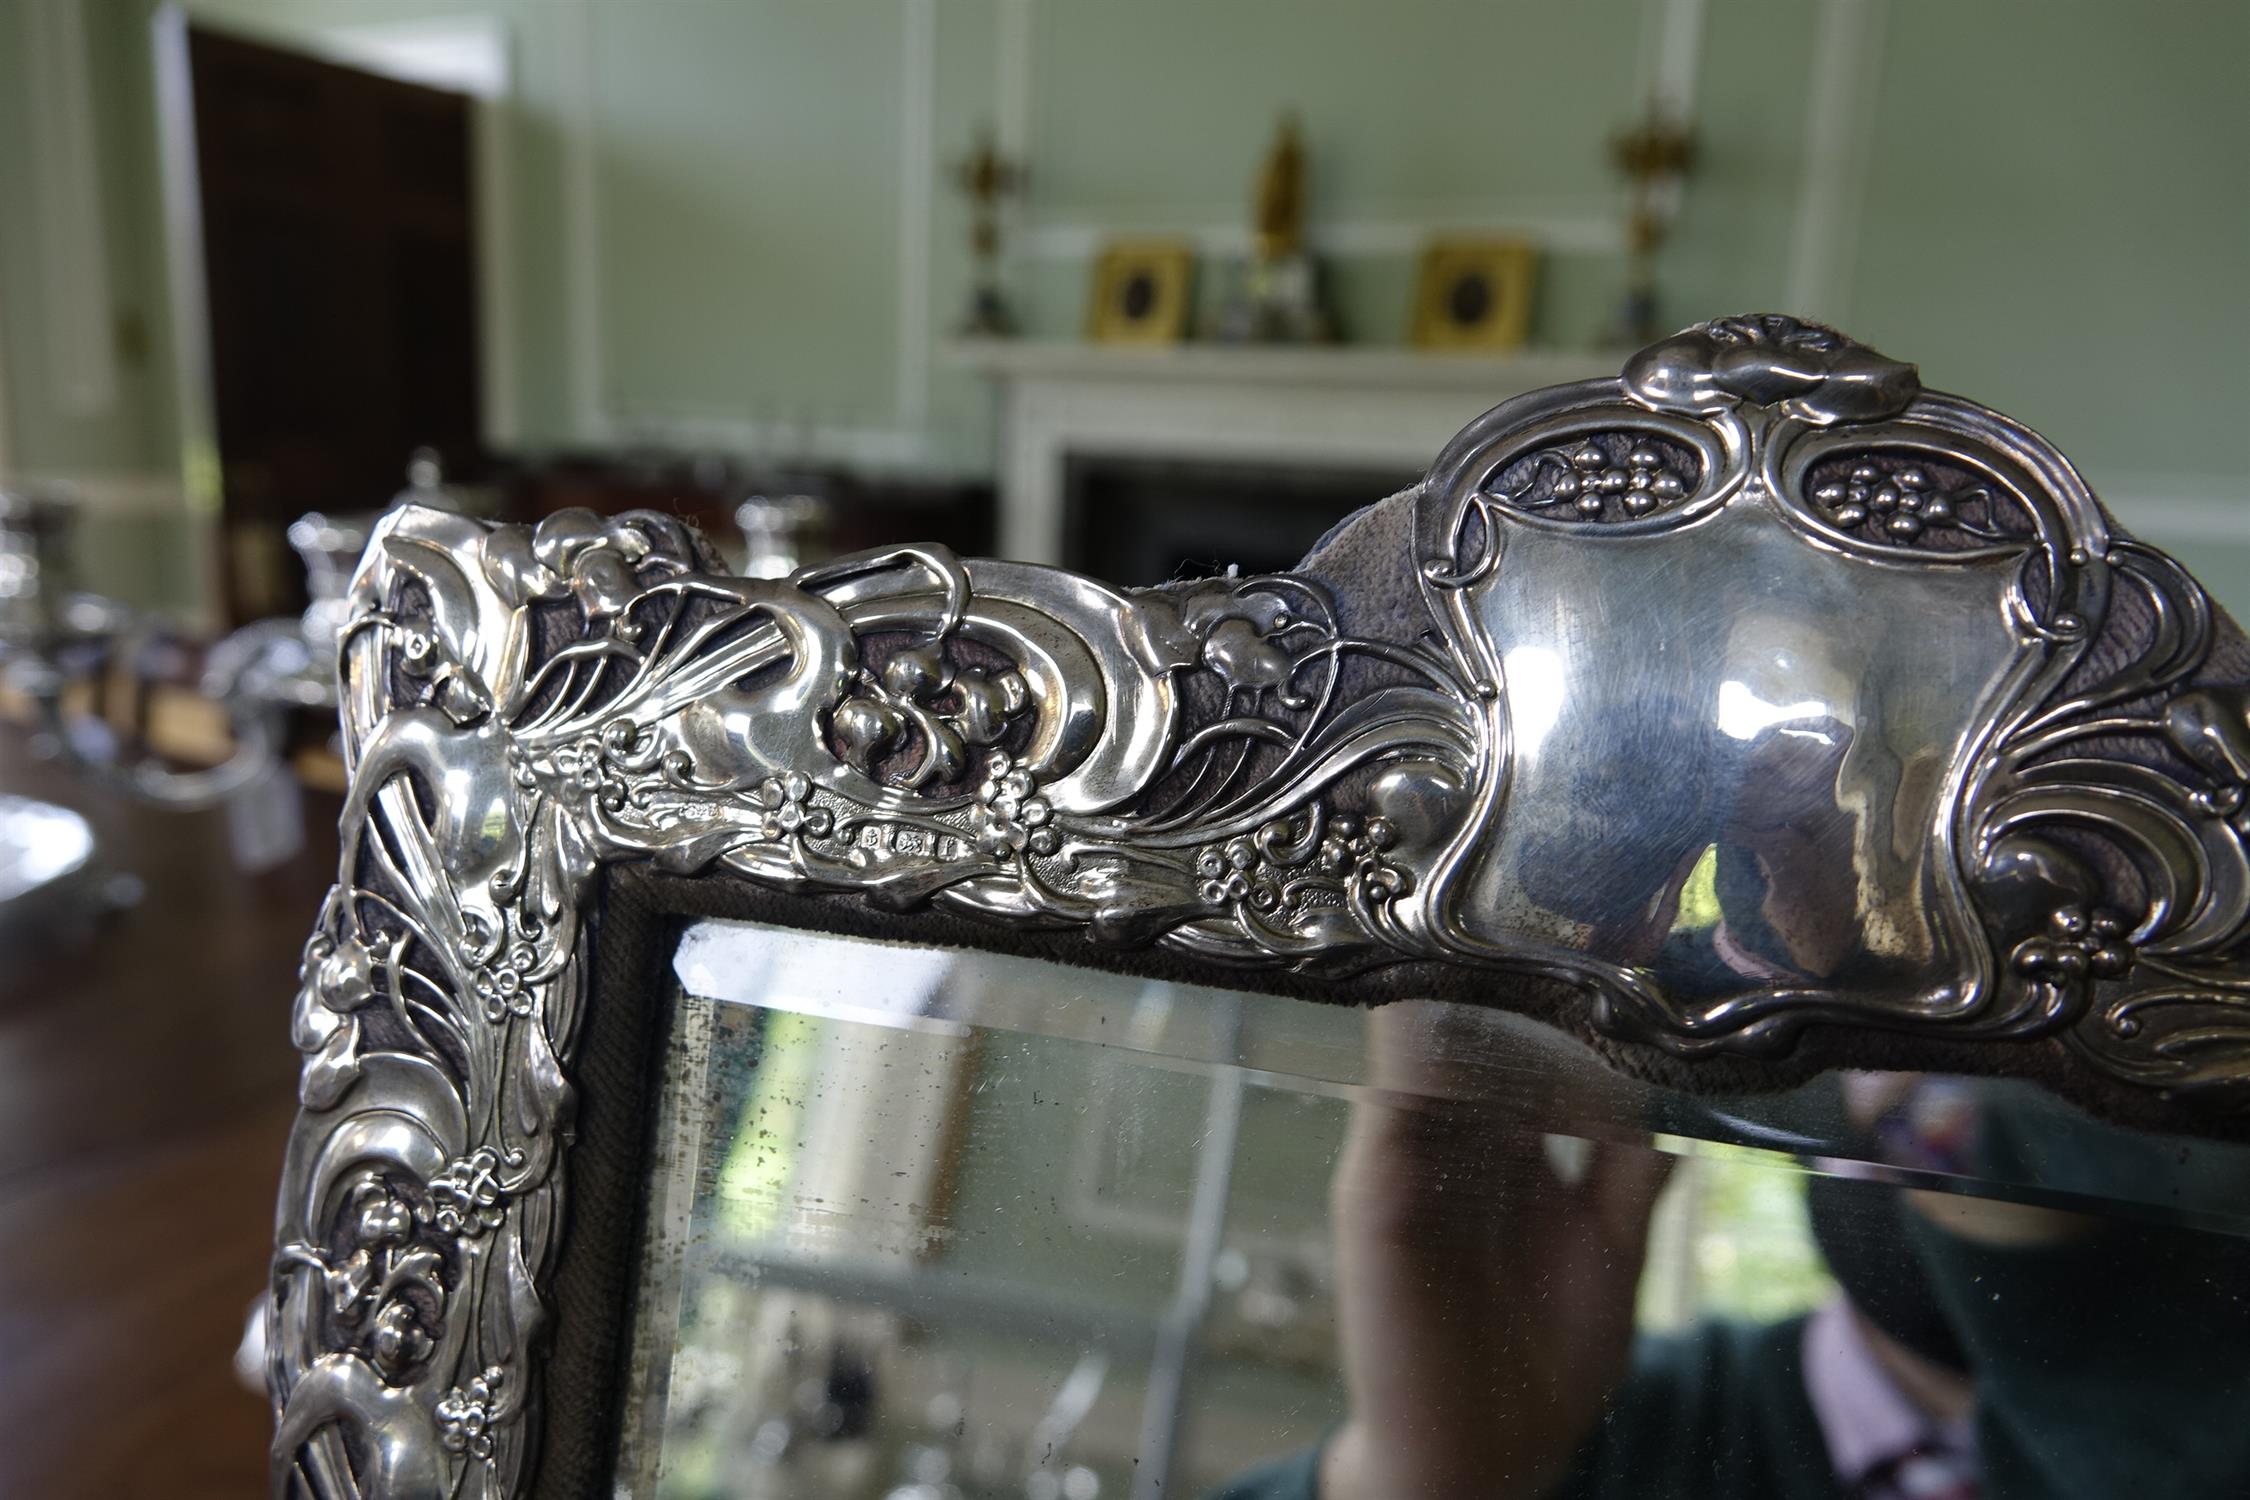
(1156, 116)
(134, 545)
(2058, 222)
(133, 432)
(2048, 210)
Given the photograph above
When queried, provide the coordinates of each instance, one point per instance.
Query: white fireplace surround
(1347, 407)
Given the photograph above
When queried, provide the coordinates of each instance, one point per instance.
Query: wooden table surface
(146, 1085)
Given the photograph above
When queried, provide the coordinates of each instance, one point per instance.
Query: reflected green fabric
(2112, 1366)
(2028, 1135)
(1294, 1478)
(1718, 1413)
(2117, 1365)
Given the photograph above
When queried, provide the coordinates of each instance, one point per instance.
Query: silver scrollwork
(1756, 690)
(527, 704)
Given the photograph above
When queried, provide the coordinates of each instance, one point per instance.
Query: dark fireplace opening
(1135, 521)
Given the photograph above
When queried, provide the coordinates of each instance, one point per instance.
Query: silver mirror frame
(1305, 781)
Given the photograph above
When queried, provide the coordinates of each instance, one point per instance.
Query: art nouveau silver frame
(1755, 712)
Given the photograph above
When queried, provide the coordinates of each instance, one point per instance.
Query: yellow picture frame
(1474, 294)
(1141, 292)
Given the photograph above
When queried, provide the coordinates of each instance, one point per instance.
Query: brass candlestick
(1654, 156)
(985, 177)
(1281, 194)
(1277, 296)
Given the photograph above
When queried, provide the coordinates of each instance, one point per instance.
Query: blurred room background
(668, 252)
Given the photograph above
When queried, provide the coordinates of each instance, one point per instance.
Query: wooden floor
(146, 1083)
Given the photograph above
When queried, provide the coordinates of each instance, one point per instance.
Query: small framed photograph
(1474, 294)
(1141, 292)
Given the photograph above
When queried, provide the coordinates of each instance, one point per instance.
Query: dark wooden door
(340, 260)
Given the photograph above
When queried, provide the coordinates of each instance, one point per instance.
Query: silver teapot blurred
(50, 880)
(52, 635)
(781, 533)
(42, 614)
(291, 663)
(50, 632)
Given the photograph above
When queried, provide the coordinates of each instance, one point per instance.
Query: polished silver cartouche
(1756, 690)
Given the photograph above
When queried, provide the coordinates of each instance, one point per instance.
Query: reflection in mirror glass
(934, 1226)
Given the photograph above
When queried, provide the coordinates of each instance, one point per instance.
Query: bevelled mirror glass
(930, 1224)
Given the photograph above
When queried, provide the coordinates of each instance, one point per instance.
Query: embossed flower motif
(987, 703)
(341, 971)
(1240, 629)
(595, 560)
(380, 1217)
(1235, 873)
(1808, 371)
(1348, 844)
(1232, 628)
(465, 1197)
(504, 983)
(1244, 658)
(789, 811)
(1641, 483)
(589, 766)
(336, 978)
(2210, 725)
(2079, 941)
(398, 1342)
(464, 1414)
(866, 728)
(951, 711)
(1010, 817)
(581, 763)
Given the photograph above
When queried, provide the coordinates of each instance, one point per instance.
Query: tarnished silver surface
(1757, 689)
(52, 636)
(1849, 725)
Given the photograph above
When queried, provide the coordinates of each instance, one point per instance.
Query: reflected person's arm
(1485, 1303)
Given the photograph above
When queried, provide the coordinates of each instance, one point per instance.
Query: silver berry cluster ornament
(1900, 505)
(1641, 482)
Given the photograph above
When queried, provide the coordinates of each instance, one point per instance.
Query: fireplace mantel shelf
(1363, 408)
(1366, 366)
